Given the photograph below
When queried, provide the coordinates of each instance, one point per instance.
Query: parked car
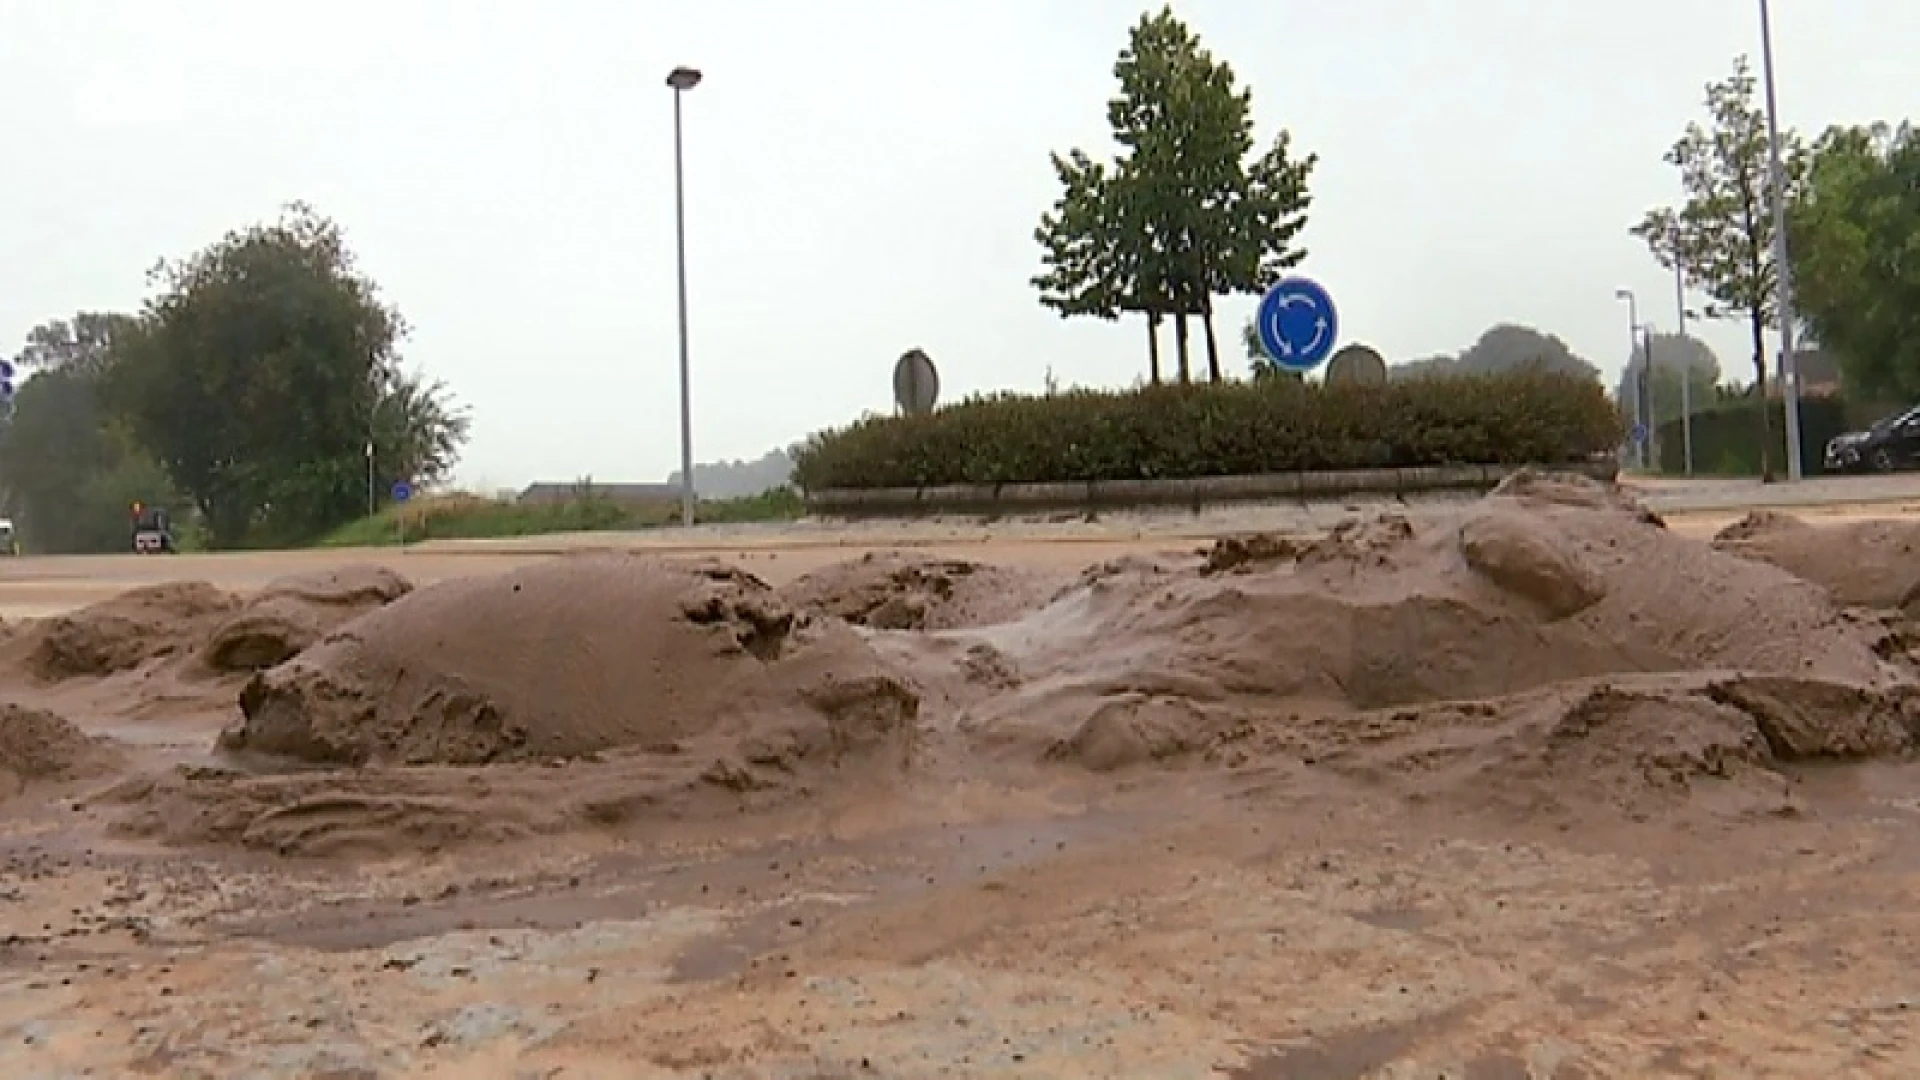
(1888, 446)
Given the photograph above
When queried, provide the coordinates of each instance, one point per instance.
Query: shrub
(1269, 426)
(1726, 437)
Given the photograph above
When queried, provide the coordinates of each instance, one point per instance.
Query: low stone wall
(1194, 491)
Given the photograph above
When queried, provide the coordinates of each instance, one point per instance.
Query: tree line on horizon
(259, 387)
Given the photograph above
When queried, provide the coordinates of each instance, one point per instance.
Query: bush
(1269, 426)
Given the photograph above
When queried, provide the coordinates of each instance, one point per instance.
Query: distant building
(547, 494)
(1819, 375)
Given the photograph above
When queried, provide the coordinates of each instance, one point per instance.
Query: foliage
(1724, 435)
(1503, 348)
(469, 517)
(258, 374)
(1183, 214)
(70, 477)
(740, 479)
(1229, 429)
(1721, 236)
(1672, 355)
(1510, 347)
(81, 345)
(1856, 255)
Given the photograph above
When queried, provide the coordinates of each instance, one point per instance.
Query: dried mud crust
(129, 630)
(1549, 647)
(903, 591)
(37, 747)
(291, 613)
(1872, 564)
(1398, 645)
(569, 658)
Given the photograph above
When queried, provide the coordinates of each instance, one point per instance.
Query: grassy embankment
(472, 517)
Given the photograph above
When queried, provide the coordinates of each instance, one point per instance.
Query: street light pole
(1642, 398)
(1789, 375)
(1686, 366)
(682, 79)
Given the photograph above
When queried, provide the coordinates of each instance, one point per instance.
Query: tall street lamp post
(1789, 376)
(1686, 366)
(1643, 386)
(683, 79)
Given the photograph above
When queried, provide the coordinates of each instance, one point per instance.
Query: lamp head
(684, 78)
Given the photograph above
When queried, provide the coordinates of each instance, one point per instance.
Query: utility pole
(1789, 375)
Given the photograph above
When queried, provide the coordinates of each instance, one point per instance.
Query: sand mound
(129, 630)
(900, 591)
(1537, 489)
(1873, 564)
(291, 613)
(1639, 746)
(1544, 582)
(575, 656)
(39, 747)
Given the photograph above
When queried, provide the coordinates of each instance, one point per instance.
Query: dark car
(1888, 446)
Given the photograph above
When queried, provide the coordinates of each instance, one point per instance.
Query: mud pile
(1871, 564)
(1640, 745)
(291, 613)
(901, 591)
(576, 656)
(1385, 625)
(38, 747)
(129, 630)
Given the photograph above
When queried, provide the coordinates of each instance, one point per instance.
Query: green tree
(1182, 214)
(1511, 347)
(1721, 236)
(1672, 355)
(1093, 262)
(69, 471)
(253, 377)
(1856, 254)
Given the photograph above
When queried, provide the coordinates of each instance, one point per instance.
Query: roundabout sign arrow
(1297, 324)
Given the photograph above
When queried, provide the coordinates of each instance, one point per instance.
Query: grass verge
(471, 517)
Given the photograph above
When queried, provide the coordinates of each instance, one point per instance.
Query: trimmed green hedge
(1726, 437)
(1232, 429)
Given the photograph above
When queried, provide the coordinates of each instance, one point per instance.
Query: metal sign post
(402, 494)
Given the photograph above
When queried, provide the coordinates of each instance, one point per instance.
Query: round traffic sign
(1297, 324)
(402, 491)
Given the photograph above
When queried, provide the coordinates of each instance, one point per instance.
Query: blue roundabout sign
(1297, 324)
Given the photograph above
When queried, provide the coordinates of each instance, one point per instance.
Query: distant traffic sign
(916, 383)
(1639, 433)
(1297, 324)
(6, 370)
(402, 491)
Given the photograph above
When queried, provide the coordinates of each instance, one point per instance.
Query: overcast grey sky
(864, 176)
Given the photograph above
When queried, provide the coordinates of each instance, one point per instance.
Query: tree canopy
(260, 381)
(1856, 255)
(1673, 355)
(1186, 211)
(1503, 347)
(1720, 236)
